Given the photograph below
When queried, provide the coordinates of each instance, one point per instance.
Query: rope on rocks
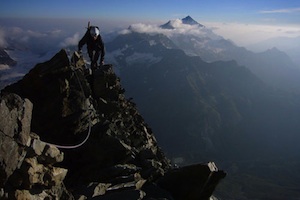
(74, 146)
(90, 123)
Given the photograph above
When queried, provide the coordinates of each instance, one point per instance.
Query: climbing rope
(90, 123)
(74, 146)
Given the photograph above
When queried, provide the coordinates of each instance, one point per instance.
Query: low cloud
(241, 34)
(146, 28)
(293, 32)
(247, 34)
(71, 41)
(37, 41)
(287, 10)
(36, 34)
(3, 42)
(179, 28)
(17, 32)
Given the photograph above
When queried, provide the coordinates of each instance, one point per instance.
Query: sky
(278, 11)
(256, 20)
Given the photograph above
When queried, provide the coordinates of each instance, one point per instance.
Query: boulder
(192, 182)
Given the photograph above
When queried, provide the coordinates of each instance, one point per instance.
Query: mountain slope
(6, 63)
(272, 66)
(290, 45)
(5, 59)
(201, 110)
(171, 71)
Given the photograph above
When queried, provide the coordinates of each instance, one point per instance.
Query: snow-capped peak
(189, 20)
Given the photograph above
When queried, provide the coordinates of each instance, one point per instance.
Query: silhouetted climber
(95, 45)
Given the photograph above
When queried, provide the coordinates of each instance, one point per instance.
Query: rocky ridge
(105, 149)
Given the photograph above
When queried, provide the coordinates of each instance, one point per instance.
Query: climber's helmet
(94, 31)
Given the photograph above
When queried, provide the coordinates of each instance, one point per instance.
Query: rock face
(66, 134)
(26, 163)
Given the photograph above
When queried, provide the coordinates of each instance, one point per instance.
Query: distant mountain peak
(187, 20)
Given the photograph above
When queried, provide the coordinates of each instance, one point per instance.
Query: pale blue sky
(245, 11)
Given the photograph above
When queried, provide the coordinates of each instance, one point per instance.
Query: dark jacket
(92, 45)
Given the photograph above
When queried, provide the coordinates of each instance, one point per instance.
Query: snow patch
(152, 43)
(137, 58)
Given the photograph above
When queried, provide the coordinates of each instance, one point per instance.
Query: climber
(95, 45)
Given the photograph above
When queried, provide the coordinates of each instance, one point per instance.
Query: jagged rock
(56, 193)
(33, 173)
(14, 133)
(53, 155)
(14, 109)
(107, 149)
(38, 147)
(192, 182)
(100, 189)
(25, 161)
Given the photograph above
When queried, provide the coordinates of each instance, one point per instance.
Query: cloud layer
(71, 41)
(248, 34)
(241, 34)
(37, 40)
(2, 39)
(179, 28)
